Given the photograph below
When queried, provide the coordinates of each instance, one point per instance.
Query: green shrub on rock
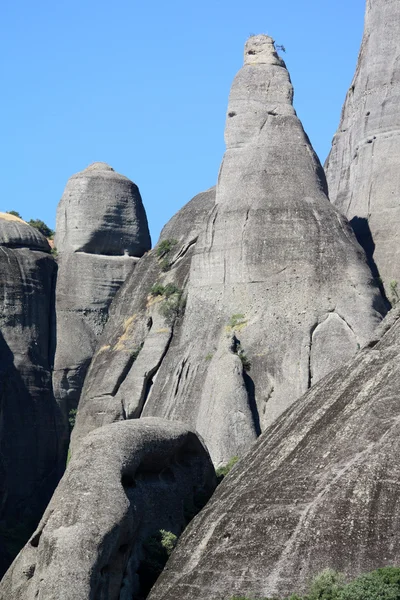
(223, 471)
(165, 247)
(156, 551)
(381, 584)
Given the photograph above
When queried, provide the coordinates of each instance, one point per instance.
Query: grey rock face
(125, 483)
(101, 232)
(29, 421)
(101, 212)
(15, 233)
(319, 489)
(278, 292)
(137, 339)
(363, 166)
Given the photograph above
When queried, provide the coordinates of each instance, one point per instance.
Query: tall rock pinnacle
(363, 166)
(276, 271)
(101, 232)
(278, 291)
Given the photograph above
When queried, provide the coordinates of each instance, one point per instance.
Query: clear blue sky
(144, 87)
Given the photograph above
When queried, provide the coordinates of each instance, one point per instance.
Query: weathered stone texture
(125, 483)
(319, 489)
(137, 338)
(29, 422)
(363, 166)
(101, 232)
(278, 290)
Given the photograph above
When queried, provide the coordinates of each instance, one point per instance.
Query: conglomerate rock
(363, 167)
(320, 489)
(126, 483)
(100, 234)
(30, 428)
(278, 290)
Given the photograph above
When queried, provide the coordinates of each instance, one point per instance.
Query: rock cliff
(101, 232)
(277, 292)
(319, 489)
(29, 422)
(363, 166)
(126, 484)
(138, 336)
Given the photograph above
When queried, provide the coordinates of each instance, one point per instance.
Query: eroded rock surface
(363, 166)
(30, 428)
(100, 234)
(278, 290)
(124, 484)
(319, 489)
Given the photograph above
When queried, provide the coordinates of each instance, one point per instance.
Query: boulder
(276, 294)
(363, 166)
(126, 483)
(101, 232)
(30, 427)
(320, 489)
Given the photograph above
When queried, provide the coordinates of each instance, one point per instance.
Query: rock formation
(29, 422)
(319, 489)
(363, 166)
(100, 234)
(278, 292)
(138, 337)
(126, 482)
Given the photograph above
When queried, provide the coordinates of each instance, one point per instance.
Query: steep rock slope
(279, 292)
(127, 482)
(319, 489)
(138, 336)
(363, 166)
(29, 424)
(101, 232)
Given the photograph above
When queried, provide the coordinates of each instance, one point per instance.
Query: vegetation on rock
(36, 223)
(156, 551)
(173, 306)
(381, 584)
(223, 471)
(165, 247)
(162, 252)
(42, 227)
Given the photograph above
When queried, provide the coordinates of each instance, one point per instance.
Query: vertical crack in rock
(149, 380)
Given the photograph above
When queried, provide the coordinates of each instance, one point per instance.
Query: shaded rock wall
(30, 428)
(362, 168)
(100, 234)
(278, 291)
(126, 482)
(319, 489)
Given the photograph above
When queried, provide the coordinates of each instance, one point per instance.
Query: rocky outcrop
(278, 291)
(363, 166)
(29, 422)
(319, 489)
(138, 336)
(125, 484)
(100, 234)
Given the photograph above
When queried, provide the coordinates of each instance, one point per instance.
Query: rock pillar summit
(278, 287)
(101, 232)
(363, 167)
